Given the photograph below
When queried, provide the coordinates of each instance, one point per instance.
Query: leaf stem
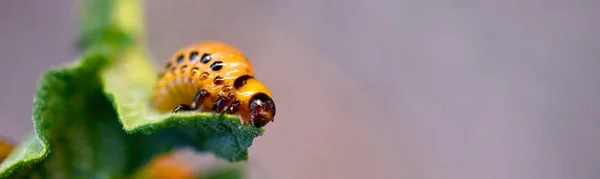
(129, 17)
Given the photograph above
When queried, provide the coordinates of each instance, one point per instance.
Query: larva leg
(224, 104)
(182, 107)
(198, 99)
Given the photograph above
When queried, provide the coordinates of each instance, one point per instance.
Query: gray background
(374, 89)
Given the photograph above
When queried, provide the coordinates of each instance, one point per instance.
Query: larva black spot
(204, 76)
(194, 71)
(226, 88)
(205, 58)
(193, 56)
(216, 66)
(241, 81)
(183, 68)
(179, 59)
(168, 65)
(218, 80)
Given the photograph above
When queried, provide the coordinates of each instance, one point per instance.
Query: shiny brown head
(262, 109)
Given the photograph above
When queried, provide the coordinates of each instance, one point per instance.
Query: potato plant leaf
(92, 118)
(224, 173)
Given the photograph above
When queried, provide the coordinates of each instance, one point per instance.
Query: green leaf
(224, 173)
(76, 129)
(30, 151)
(92, 118)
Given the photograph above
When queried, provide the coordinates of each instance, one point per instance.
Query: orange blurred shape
(167, 166)
(5, 149)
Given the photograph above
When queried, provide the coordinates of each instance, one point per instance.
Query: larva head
(262, 109)
(257, 103)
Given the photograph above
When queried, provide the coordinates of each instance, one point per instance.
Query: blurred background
(373, 89)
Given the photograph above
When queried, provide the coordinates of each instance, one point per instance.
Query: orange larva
(213, 76)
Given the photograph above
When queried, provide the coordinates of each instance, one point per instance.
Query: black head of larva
(262, 109)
